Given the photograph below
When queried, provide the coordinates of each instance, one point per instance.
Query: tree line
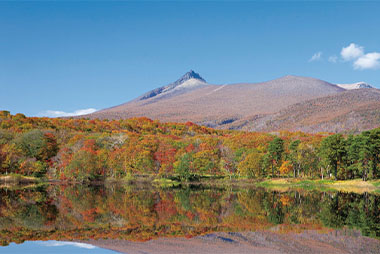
(86, 150)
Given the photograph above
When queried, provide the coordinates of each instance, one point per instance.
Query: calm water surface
(68, 218)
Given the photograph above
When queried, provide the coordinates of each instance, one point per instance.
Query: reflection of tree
(24, 211)
(183, 197)
(273, 207)
(332, 214)
(352, 210)
(250, 204)
(141, 213)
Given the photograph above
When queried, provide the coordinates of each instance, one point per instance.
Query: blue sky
(69, 56)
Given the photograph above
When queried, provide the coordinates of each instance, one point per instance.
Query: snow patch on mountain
(358, 85)
(189, 84)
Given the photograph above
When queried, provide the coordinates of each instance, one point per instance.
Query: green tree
(275, 151)
(374, 148)
(293, 151)
(369, 153)
(353, 148)
(5, 137)
(83, 166)
(37, 144)
(333, 151)
(308, 159)
(182, 166)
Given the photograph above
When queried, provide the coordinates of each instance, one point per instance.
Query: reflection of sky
(56, 247)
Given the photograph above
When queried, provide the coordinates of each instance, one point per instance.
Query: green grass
(376, 183)
(166, 183)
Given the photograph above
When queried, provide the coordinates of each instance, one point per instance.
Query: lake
(140, 218)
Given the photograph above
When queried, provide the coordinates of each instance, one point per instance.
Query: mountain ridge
(191, 98)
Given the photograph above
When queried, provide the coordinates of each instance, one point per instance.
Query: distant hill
(290, 102)
(353, 110)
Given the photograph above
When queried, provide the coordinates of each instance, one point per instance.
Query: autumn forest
(94, 150)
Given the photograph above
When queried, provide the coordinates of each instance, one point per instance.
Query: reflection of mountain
(256, 106)
(137, 213)
(262, 242)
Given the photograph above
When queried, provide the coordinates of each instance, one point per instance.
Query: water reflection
(56, 247)
(139, 213)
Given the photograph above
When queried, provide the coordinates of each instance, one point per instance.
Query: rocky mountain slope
(290, 102)
(186, 83)
(353, 110)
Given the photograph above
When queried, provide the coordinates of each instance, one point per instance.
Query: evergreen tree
(275, 151)
(333, 152)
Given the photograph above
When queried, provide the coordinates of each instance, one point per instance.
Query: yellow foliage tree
(286, 168)
(251, 165)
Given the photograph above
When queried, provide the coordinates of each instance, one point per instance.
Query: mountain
(352, 110)
(187, 82)
(355, 86)
(250, 106)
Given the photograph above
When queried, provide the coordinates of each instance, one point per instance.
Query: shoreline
(355, 185)
(19, 179)
(276, 184)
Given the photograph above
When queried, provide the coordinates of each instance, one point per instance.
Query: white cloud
(352, 52)
(317, 56)
(59, 244)
(333, 59)
(53, 113)
(360, 60)
(368, 61)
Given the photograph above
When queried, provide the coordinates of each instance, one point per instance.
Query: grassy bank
(15, 181)
(356, 185)
(19, 179)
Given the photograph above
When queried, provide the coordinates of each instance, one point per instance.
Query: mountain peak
(189, 75)
(189, 81)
